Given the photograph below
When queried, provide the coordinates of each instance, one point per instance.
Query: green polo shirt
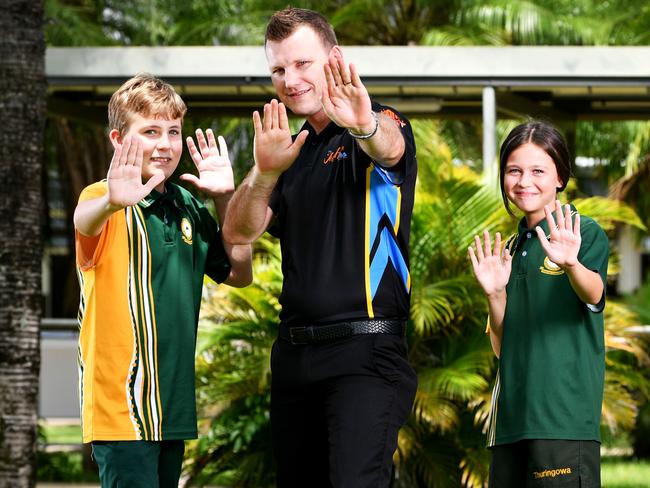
(141, 292)
(552, 364)
(185, 244)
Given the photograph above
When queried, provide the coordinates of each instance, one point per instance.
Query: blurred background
(465, 72)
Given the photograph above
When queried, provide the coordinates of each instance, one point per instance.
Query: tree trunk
(22, 111)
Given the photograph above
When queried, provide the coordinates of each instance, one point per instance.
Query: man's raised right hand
(274, 150)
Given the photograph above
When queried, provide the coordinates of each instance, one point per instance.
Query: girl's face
(531, 181)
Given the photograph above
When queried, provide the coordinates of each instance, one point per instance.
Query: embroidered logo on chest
(394, 116)
(550, 268)
(337, 155)
(186, 230)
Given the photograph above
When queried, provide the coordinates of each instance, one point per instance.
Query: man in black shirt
(339, 197)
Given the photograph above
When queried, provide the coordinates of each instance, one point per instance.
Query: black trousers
(336, 409)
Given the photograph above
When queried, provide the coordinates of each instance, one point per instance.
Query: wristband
(369, 134)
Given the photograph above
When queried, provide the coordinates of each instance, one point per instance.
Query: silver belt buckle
(294, 341)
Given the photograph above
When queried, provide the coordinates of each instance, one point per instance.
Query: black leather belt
(318, 333)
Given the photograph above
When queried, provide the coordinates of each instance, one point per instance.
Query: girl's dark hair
(546, 137)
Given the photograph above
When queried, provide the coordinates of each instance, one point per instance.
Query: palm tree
(442, 444)
(75, 23)
(22, 98)
(478, 22)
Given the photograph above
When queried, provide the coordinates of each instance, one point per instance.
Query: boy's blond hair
(146, 95)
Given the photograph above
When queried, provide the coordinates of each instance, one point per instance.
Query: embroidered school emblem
(550, 268)
(186, 229)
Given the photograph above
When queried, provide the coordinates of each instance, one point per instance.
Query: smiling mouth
(160, 160)
(299, 93)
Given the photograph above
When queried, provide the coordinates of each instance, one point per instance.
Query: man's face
(162, 144)
(296, 65)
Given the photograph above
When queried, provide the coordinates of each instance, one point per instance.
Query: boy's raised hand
(345, 98)
(564, 243)
(125, 187)
(213, 164)
(490, 268)
(273, 148)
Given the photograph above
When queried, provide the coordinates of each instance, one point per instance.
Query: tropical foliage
(442, 444)
(237, 330)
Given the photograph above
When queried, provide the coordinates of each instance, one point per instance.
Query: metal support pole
(489, 132)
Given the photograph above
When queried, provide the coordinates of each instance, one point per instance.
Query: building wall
(58, 395)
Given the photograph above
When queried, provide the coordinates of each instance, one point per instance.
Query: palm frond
(619, 406)
(426, 459)
(608, 212)
(463, 369)
(532, 23)
(435, 410)
(435, 306)
(74, 24)
(619, 320)
(464, 35)
(474, 468)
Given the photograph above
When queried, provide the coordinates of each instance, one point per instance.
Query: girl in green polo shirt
(546, 294)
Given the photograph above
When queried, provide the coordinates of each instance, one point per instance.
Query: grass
(61, 434)
(625, 473)
(66, 461)
(63, 466)
(616, 472)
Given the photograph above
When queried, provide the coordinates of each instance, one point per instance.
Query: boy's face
(162, 144)
(296, 65)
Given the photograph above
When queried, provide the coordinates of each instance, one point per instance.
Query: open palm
(213, 164)
(273, 147)
(563, 244)
(125, 187)
(345, 99)
(492, 270)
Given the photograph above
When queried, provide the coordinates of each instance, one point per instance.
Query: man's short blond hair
(145, 95)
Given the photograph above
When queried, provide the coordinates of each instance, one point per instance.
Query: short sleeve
(88, 249)
(406, 168)
(95, 190)
(217, 264)
(594, 254)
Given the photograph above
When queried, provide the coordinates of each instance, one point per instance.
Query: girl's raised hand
(564, 240)
(492, 270)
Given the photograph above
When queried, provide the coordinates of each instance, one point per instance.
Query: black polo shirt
(343, 222)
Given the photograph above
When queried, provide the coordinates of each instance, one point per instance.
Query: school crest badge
(186, 230)
(550, 268)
